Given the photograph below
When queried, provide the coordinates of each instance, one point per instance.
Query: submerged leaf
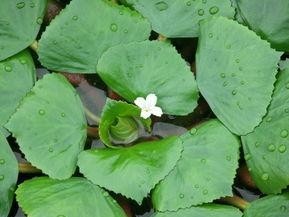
(50, 126)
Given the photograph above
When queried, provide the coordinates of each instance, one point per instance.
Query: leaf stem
(34, 46)
(235, 201)
(92, 116)
(92, 132)
(27, 168)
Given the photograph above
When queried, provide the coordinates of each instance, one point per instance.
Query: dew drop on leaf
(269, 119)
(204, 1)
(237, 60)
(203, 161)
(211, 35)
(1, 177)
(257, 144)
(201, 12)
(193, 131)
(161, 6)
(247, 157)
(228, 158)
(125, 31)
(2, 161)
(8, 68)
(188, 3)
(271, 147)
(63, 114)
(213, 10)
(32, 4)
(223, 75)
(205, 192)
(113, 27)
(234, 92)
(282, 148)
(105, 194)
(225, 83)
(228, 46)
(20, 5)
(181, 196)
(284, 133)
(242, 82)
(283, 208)
(39, 20)
(50, 149)
(286, 110)
(265, 176)
(41, 112)
(196, 186)
(22, 61)
(240, 68)
(75, 17)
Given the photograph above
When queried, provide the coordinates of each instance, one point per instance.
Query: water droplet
(286, 110)
(287, 85)
(39, 20)
(8, 68)
(237, 60)
(257, 144)
(240, 68)
(193, 131)
(32, 4)
(161, 6)
(61, 216)
(201, 12)
(50, 149)
(225, 83)
(205, 192)
(283, 208)
(105, 194)
(269, 119)
(1, 177)
(265, 177)
(211, 35)
(284, 133)
(239, 106)
(196, 186)
(113, 27)
(75, 17)
(203, 161)
(41, 112)
(125, 31)
(249, 169)
(204, 1)
(228, 46)
(63, 114)
(20, 5)
(120, 12)
(181, 196)
(282, 148)
(228, 158)
(223, 75)
(234, 92)
(188, 3)
(213, 10)
(247, 157)
(22, 61)
(271, 147)
(2, 161)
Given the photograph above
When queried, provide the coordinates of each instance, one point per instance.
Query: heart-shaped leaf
(181, 18)
(210, 210)
(73, 197)
(17, 77)
(8, 176)
(235, 73)
(267, 148)
(19, 25)
(138, 72)
(205, 172)
(132, 171)
(76, 39)
(50, 126)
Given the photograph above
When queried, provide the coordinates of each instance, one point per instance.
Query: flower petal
(157, 111)
(145, 114)
(140, 102)
(151, 100)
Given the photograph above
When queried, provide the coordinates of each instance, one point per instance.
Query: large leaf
(132, 171)
(84, 30)
(211, 210)
(269, 18)
(8, 176)
(73, 197)
(17, 77)
(270, 206)
(111, 127)
(19, 24)
(181, 18)
(205, 172)
(150, 67)
(50, 126)
(235, 73)
(266, 149)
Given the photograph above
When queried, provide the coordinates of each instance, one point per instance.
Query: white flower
(148, 106)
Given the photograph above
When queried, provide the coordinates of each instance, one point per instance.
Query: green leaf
(150, 67)
(267, 147)
(270, 206)
(235, 73)
(50, 126)
(269, 18)
(181, 18)
(73, 197)
(17, 77)
(8, 176)
(131, 171)
(76, 39)
(112, 128)
(19, 24)
(210, 210)
(205, 172)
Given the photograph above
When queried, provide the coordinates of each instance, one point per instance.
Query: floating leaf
(150, 67)
(83, 31)
(131, 171)
(8, 176)
(270, 206)
(211, 210)
(19, 24)
(73, 197)
(235, 73)
(17, 77)
(121, 123)
(267, 147)
(271, 23)
(50, 126)
(205, 172)
(181, 18)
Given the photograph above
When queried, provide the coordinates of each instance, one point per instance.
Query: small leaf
(271, 23)
(181, 18)
(131, 171)
(76, 39)
(19, 25)
(267, 147)
(8, 176)
(270, 206)
(50, 126)
(73, 197)
(116, 112)
(17, 77)
(150, 67)
(235, 73)
(210, 210)
(205, 172)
